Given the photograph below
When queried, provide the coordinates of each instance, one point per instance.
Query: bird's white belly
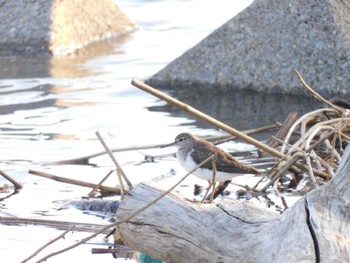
(202, 173)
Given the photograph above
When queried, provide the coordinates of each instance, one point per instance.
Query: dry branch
(206, 118)
(289, 121)
(84, 160)
(114, 190)
(316, 95)
(16, 184)
(95, 189)
(120, 171)
(61, 225)
(48, 244)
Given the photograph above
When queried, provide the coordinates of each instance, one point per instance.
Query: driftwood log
(315, 229)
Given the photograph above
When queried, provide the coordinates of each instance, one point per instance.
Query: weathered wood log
(315, 229)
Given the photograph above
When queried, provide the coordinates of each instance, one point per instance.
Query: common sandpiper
(193, 150)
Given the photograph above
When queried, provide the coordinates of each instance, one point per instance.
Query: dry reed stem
(311, 173)
(61, 225)
(120, 172)
(48, 244)
(94, 190)
(75, 182)
(214, 180)
(299, 121)
(226, 138)
(316, 95)
(288, 162)
(16, 184)
(281, 133)
(204, 117)
(324, 163)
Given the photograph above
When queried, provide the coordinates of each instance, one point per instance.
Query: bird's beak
(167, 145)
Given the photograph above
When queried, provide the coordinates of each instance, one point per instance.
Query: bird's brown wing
(225, 162)
(199, 155)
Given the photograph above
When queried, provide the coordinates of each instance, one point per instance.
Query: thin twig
(317, 95)
(62, 225)
(16, 184)
(85, 159)
(94, 190)
(299, 121)
(286, 166)
(48, 244)
(281, 133)
(312, 176)
(120, 171)
(214, 180)
(206, 118)
(84, 240)
(75, 182)
(226, 138)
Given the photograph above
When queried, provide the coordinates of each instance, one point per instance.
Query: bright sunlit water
(51, 109)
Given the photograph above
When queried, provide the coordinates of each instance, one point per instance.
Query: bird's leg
(206, 193)
(214, 181)
(222, 186)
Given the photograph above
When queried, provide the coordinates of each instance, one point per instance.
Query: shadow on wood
(315, 229)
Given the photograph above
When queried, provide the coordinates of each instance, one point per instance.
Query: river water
(50, 110)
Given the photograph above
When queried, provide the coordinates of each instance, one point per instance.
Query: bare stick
(206, 118)
(75, 182)
(84, 240)
(316, 95)
(324, 163)
(214, 180)
(85, 159)
(207, 191)
(300, 120)
(312, 177)
(281, 133)
(127, 218)
(48, 244)
(283, 169)
(93, 191)
(62, 225)
(16, 184)
(226, 138)
(119, 168)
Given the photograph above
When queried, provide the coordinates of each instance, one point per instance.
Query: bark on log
(315, 229)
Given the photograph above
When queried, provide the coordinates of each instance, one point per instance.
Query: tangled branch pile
(315, 143)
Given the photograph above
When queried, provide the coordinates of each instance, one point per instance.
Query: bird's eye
(181, 139)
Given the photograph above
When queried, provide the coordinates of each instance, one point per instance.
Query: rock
(260, 48)
(57, 27)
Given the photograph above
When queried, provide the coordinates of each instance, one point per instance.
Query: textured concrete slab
(57, 27)
(260, 47)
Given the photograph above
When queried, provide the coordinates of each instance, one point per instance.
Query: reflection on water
(66, 66)
(242, 110)
(15, 67)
